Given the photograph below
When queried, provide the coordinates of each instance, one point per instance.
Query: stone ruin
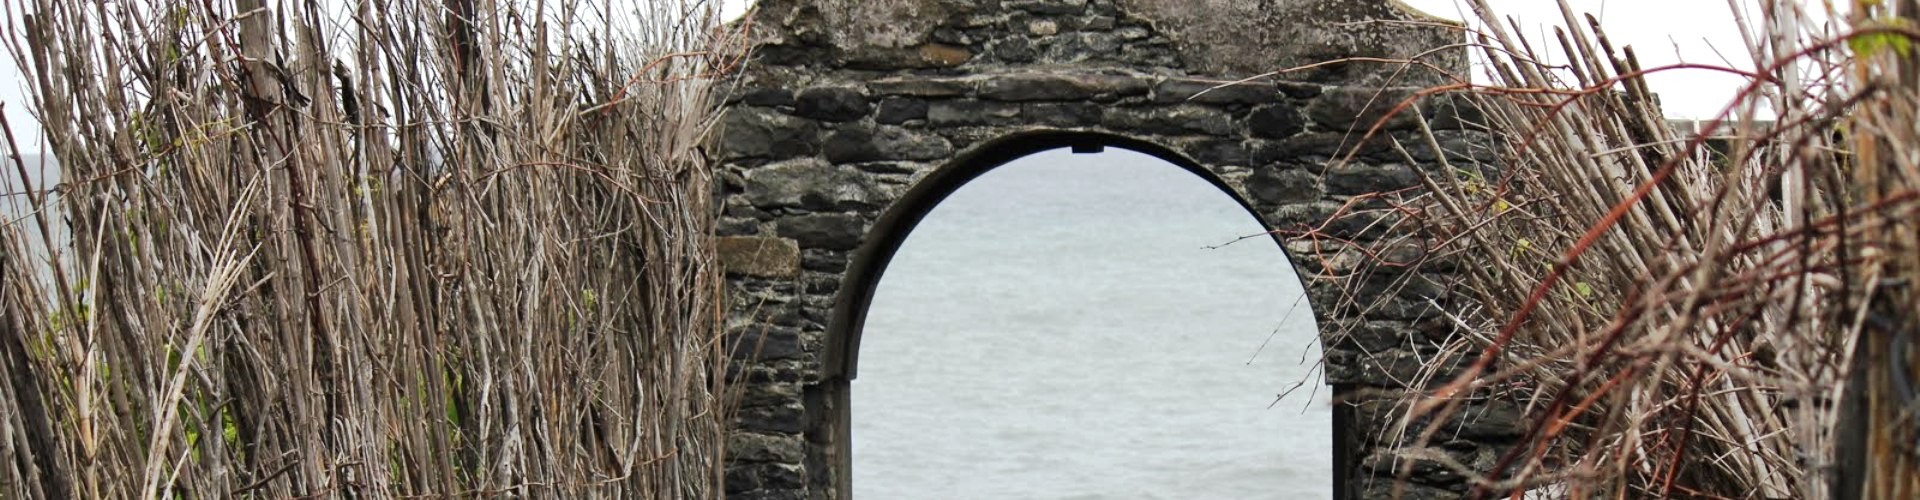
(854, 118)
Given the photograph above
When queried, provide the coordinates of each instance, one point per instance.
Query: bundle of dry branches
(441, 248)
(1679, 310)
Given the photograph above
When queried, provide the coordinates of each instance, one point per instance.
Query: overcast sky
(1662, 32)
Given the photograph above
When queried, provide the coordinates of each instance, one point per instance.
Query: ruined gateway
(856, 117)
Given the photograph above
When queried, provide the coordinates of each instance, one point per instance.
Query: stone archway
(855, 118)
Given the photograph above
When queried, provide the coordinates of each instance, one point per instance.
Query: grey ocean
(1058, 329)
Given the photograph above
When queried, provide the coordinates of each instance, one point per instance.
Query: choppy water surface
(1058, 329)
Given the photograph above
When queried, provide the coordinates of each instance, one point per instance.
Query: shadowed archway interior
(1089, 326)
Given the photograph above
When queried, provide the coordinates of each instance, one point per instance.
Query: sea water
(1072, 327)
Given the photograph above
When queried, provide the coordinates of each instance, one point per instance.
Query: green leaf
(1868, 44)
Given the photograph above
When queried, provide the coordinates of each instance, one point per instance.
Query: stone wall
(855, 118)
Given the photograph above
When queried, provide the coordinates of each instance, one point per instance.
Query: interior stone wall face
(854, 117)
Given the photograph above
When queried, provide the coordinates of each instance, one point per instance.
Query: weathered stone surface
(770, 394)
(765, 481)
(1276, 121)
(895, 111)
(1393, 368)
(1061, 87)
(1077, 47)
(748, 447)
(772, 419)
(1178, 90)
(972, 113)
(944, 55)
(1361, 109)
(759, 133)
(814, 185)
(1049, 6)
(1182, 120)
(833, 104)
(1249, 37)
(1430, 472)
(919, 86)
(1352, 179)
(1386, 489)
(1061, 114)
(1338, 145)
(1015, 49)
(768, 97)
(883, 143)
(1284, 186)
(1326, 217)
(924, 56)
(1221, 152)
(1487, 421)
(824, 231)
(765, 343)
(757, 256)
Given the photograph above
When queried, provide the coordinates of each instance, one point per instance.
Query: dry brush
(364, 248)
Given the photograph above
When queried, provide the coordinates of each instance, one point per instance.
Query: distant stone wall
(857, 117)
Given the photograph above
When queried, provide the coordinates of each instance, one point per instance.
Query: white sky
(1661, 31)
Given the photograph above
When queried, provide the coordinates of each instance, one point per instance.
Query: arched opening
(1071, 326)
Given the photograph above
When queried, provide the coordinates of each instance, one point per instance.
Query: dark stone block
(1178, 90)
(1496, 420)
(950, 36)
(740, 479)
(1301, 90)
(1076, 47)
(1358, 110)
(1276, 121)
(883, 143)
(737, 226)
(769, 394)
(760, 133)
(823, 231)
(789, 419)
(1326, 217)
(1426, 472)
(1181, 120)
(1456, 112)
(1064, 115)
(824, 261)
(1354, 179)
(782, 477)
(1379, 335)
(1284, 186)
(1048, 6)
(1394, 368)
(918, 86)
(1017, 49)
(972, 113)
(765, 449)
(764, 343)
(787, 55)
(770, 494)
(1335, 145)
(1061, 87)
(1153, 55)
(1220, 152)
(813, 185)
(765, 97)
(833, 104)
(823, 286)
(895, 111)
